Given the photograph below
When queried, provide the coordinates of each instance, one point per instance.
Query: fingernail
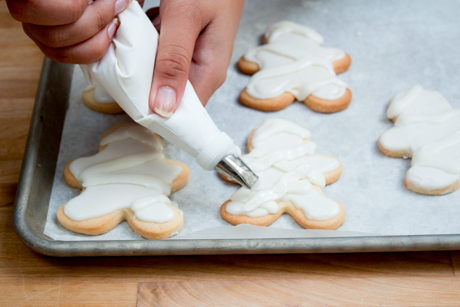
(156, 21)
(120, 6)
(113, 27)
(165, 101)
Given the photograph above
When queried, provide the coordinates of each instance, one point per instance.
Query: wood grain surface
(30, 279)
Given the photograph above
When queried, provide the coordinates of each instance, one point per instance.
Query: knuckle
(54, 38)
(99, 20)
(189, 12)
(99, 54)
(76, 9)
(95, 52)
(61, 56)
(174, 62)
(47, 12)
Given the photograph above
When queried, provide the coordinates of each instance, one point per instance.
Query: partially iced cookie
(97, 99)
(291, 66)
(426, 129)
(128, 179)
(291, 176)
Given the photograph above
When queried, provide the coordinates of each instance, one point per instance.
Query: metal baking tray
(37, 178)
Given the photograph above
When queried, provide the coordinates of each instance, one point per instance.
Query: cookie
(293, 66)
(293, 37)
(291, 176)
(130, 180)
(426, 129)
(97, 99)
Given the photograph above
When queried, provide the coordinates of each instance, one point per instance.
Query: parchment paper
(394, 45)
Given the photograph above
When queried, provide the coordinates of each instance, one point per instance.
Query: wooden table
(30, 279)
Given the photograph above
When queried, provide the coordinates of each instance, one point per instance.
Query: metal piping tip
(235, 169)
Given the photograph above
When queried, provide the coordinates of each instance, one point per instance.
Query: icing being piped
(287, 171)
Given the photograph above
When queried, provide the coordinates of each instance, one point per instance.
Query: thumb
(180, 28)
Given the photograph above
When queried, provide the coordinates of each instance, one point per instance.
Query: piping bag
(126, 73)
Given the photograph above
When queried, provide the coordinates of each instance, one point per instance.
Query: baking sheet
(394, 45)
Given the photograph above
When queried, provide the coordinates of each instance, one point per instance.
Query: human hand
(196, 43)
(69, 31)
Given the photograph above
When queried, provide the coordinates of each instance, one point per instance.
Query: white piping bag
(126, 73)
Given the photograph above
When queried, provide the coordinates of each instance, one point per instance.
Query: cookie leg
(342, 65)
(237, 219)
(394, 154)
(100, 225)
(94, 226)
(285, 207)
(431, 181)
(70, 179)
(106, 107)
(329, 106)
(247, 67)
(156, 231)
(299, 216)
(268, 105)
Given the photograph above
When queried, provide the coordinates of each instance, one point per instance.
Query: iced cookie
(291, 176)
(97, 99)
(293, 66)
(130, 180)
(426, 129)
(294, 37)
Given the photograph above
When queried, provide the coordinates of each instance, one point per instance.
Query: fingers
(213, 50)
(87, 52)
(207, 77)
(46, 12)
(95, 18)
(181, 24)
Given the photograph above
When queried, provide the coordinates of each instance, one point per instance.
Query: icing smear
(287, 172)
(129, 172)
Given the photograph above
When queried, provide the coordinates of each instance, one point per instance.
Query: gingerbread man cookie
(97, 99)
(426, 129)
(293, 65)
(130, 180)
(291, 176)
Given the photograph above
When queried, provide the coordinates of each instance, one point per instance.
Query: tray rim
(191, 246)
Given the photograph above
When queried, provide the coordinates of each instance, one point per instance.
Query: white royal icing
(299, 37)
(296, 63)
(287, 171)
(300, 78)
(417, 101)
(129, 172)
(428, 130)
